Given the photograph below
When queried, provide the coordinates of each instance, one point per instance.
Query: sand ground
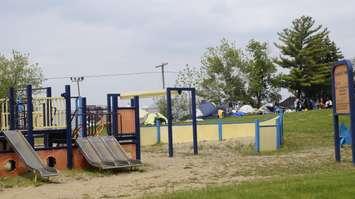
(218, 163)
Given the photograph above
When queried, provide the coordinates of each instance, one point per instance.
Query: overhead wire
(109, 75)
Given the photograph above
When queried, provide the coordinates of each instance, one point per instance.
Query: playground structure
(343, 105)
(46, 135)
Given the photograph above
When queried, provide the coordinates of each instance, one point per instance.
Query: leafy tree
(261, 74)
(17, 71)
(180, 106)
(186, 77)
(189, 77)
(308, 53)
(223, 81)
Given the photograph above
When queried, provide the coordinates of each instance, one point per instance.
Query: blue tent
(207, 108)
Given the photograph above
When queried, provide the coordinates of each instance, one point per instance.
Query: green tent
(152, 117)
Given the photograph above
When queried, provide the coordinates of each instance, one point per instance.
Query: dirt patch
(218, 163)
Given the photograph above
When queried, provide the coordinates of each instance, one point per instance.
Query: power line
(109, 75)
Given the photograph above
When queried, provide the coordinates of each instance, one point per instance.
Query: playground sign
(344, 102)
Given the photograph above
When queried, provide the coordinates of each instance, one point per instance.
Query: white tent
(246, 109)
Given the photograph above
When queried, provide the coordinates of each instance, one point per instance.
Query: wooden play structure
(42, 133)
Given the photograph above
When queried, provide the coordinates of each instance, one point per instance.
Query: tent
(289, 102)
(207, 108)
(246, 109)
(199, 113)
(153, 117)
(267, 108)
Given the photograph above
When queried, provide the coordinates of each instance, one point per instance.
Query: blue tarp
(345, 136)
(238, 114)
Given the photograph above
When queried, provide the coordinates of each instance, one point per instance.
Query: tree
(17, 71)
(189, 77)
(223, 81)
(180, 106)
(261, 74)
(186, 77)
(308, 53)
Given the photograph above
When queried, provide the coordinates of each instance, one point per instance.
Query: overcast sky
(73, 38)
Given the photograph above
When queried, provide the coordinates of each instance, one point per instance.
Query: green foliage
(180, 106)
(308, 53)
(261, 73)
(17, 71)
(224, 81)
(189, 77)
(161, 105)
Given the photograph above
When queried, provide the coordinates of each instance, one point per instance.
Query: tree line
(229, 74)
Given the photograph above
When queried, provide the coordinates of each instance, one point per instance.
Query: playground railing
(48, 113)
(4, 114)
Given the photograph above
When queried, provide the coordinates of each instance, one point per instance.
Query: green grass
(338, 184)
(19, 181)
(303, 131)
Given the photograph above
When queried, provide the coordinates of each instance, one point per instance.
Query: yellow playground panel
(265, 135)
(48, 112)
(145, 94)
(4, 114)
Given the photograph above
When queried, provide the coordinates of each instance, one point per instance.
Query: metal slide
(105, 152)
(20, 144)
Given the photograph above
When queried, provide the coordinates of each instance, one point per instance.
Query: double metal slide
(105, 152)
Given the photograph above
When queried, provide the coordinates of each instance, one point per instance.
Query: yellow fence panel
(268, 139)
(207, 132)
(270, 121)
(243, 130)
(148, 136)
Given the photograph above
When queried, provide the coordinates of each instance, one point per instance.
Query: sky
(83, 37)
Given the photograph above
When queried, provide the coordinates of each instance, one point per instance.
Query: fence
(266, 135)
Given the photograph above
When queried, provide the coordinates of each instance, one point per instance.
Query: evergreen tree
(308, 53)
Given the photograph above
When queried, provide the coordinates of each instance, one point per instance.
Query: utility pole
(162, 72)
(77, 80)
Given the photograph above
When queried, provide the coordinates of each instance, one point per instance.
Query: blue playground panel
(345, 137)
